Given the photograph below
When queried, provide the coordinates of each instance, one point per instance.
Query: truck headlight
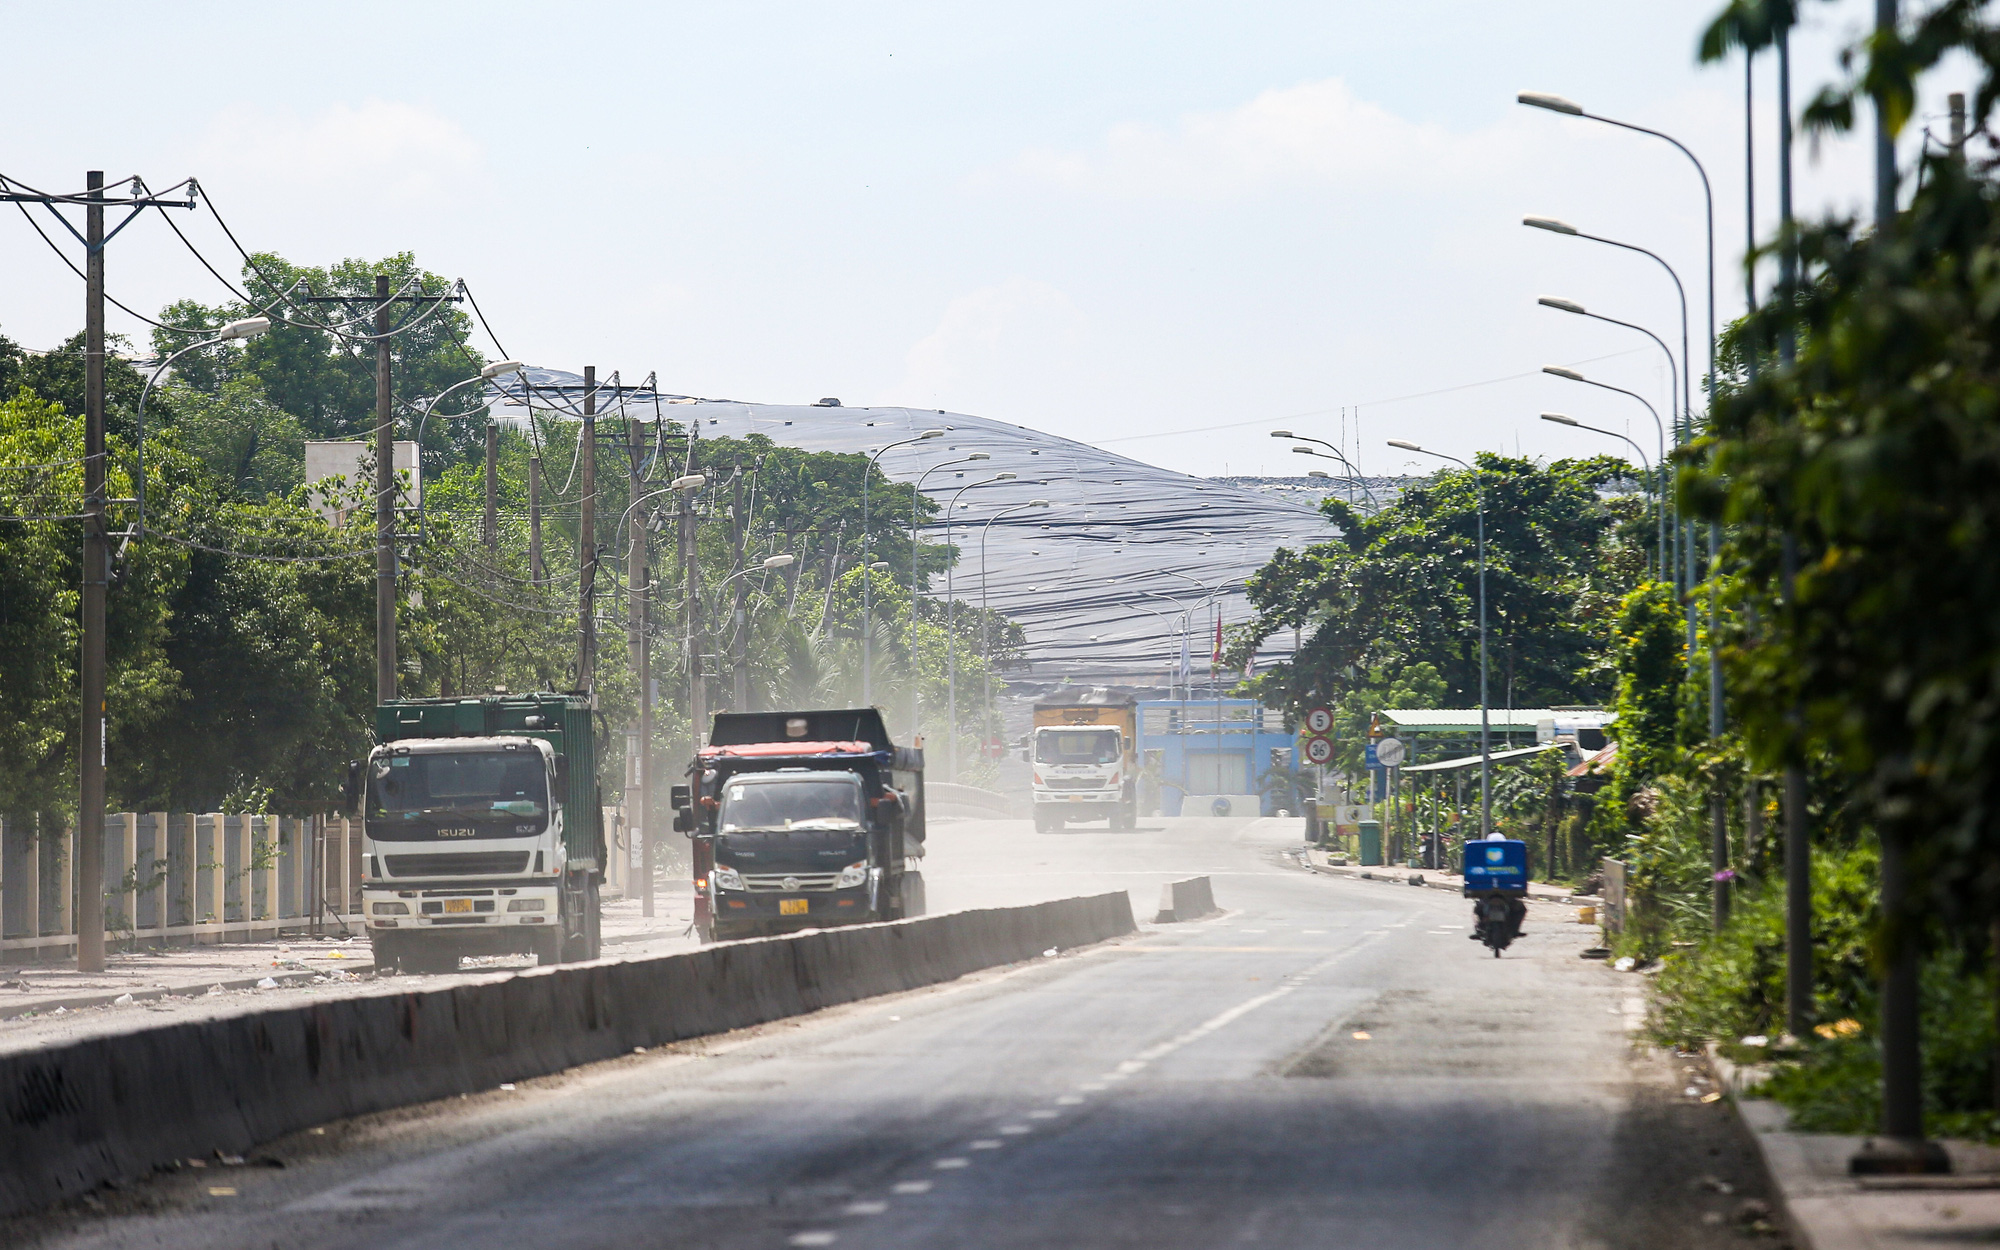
(528, 904)
(725, 878)
(851, 876)
(390, 909)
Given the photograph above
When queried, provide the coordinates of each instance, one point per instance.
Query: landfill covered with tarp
(1128, 564)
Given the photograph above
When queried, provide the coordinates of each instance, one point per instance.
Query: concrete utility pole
(385, 502)
(638, 603)
(91, 746)
(586, 536)
(535, 570)
(492, 487)
(739, 634)
(691, 605)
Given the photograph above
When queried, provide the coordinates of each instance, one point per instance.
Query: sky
(1163, 228)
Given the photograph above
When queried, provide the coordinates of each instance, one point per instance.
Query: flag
(1186, 672)
(1250, 664)
(1215, 656)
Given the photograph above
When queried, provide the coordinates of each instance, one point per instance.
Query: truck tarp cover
(732, 729)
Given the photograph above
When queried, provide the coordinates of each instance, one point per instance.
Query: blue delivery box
(1496, 866)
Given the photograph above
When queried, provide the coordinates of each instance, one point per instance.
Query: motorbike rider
(1517, 909)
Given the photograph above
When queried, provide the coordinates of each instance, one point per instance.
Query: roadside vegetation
(241, 644)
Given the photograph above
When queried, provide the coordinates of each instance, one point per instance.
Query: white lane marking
(1128, 1068)
(1069, 1100)
(1043, 1115)
(1231, 1016)
(865, 1208)
(910, 1187)
(947, 1165)
(987, 1143)
(1256, 930)
(1318, 931)
(818, 1237)
(1015, 1130)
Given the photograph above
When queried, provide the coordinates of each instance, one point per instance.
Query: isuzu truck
(802, 820)
(482, 830)
(1084, 750)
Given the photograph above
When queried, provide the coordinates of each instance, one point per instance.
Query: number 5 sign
(1318, 721)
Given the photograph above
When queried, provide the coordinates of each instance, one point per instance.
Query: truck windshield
(826, 801)
(1076, 746)
(504, 791)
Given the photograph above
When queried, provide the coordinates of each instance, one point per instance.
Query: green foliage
(252, 448)
(1399, 589)
(1728, 985)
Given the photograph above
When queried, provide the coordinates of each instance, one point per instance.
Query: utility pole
(91, 744)
(385, 502)
(385, 475)
(691, 605)
(638, 603)
(492, 488)
(739, 626)
(586, 536)
(535, 570)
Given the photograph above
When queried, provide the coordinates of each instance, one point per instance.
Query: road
(1329, 1062)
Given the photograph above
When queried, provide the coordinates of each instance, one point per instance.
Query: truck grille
(478, 864)
(1076, 783)
(776, 882)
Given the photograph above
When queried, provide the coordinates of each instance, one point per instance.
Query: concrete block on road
(1190, 899)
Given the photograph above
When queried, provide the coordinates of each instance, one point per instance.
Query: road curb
(119, 1105)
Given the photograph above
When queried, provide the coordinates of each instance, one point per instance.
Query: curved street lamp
(985, 617)
(1659, 483)
(950, 639)
(1485, 725)
(247, 328)
(1562, 371)
(916, 498)
(1339, 456)
(499, 368)
(868, 578)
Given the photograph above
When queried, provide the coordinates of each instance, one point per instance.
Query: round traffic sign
(1319, 720)
(1319, 750)
(1389, 752)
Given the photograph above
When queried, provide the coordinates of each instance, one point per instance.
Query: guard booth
(1196, 752)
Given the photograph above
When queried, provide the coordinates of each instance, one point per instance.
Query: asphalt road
(1330, 1062)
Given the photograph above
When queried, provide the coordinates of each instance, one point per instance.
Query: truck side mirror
(562, 777)
(680, 798)
(350, 790)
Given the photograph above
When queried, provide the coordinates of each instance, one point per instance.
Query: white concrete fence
(183, 878)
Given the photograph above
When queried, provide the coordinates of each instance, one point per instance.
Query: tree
(1395, 594)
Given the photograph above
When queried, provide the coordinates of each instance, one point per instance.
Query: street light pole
(868, 569)
(1485, 725)
(1561, 371)
(985, 617)
(950, 640)
(1559, 419)
(916, 499)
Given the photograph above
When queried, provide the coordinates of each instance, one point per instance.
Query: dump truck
(802, 820)
(482, 830)
(1084, 750)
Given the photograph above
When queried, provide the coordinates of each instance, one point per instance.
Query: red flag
(1215, 656)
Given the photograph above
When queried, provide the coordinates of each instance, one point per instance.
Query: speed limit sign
(1319, 750)
(1318, 721)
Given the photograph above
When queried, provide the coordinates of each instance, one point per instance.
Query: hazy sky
(1110, 221)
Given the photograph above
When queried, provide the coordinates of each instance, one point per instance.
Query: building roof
(1472, 761)
(1466, 719)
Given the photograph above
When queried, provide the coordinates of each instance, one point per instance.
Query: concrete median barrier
(1189, 899)
(76, 1115)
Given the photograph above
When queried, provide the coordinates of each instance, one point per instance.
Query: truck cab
(796, 828)
(481, 831)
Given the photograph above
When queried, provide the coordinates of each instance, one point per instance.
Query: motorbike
(1496, 922)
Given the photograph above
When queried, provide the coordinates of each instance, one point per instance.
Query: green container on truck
(482, 830)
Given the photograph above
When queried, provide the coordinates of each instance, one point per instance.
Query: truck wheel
(418, 958)
(593, 922)
(913, 895)
(1041, 821)
(546, 946)
(388, 952)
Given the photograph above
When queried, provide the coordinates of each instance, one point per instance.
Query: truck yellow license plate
(793, 906)
(453, 906)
